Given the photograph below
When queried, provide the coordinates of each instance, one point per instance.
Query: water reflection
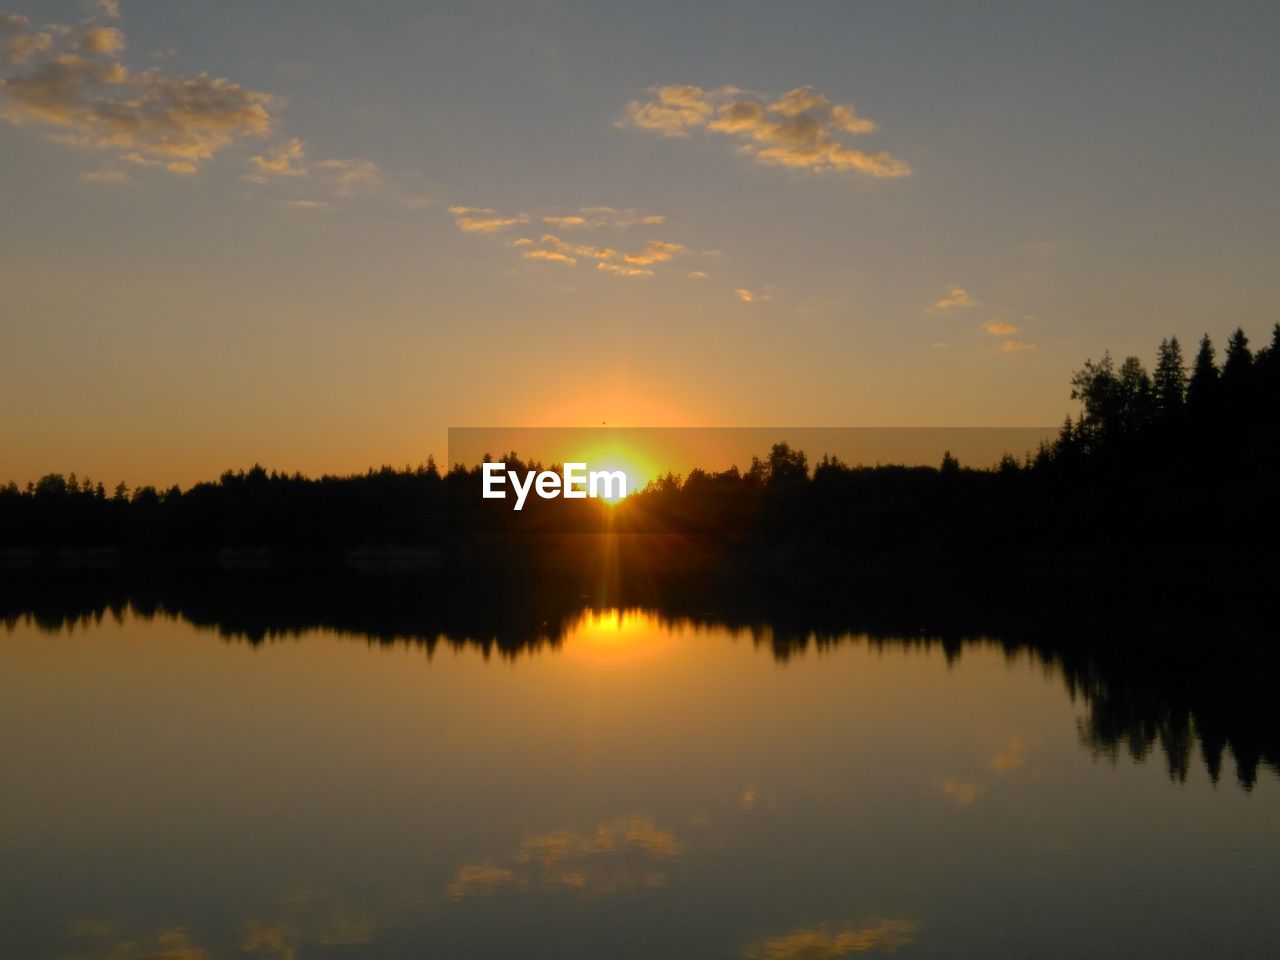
(275, 767)
(886, 936)
(1177, 676)
(616, 855)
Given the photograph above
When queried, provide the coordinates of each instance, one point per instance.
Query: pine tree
(1203, 384)
(1239, 362)
(1170, 380)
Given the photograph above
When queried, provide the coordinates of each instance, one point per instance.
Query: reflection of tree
(1172, 670)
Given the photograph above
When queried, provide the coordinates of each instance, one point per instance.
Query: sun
(612, 456)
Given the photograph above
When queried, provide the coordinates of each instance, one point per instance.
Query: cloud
(697, 274)
(595, 217)
(104, 176)
(554, 249)
(618, 270)
(484, 220)
(101, 41)
(106, 8)
(655, 251)
(1015, 346)
(553, 256)
(887, 936)
(998, 328)
(350, 175)
(282, 160)
(289, 160)
(79, 93)
(673, 111)
(957, 297)
(753, 296)
(17, 43)
(801, 129)
(308, 204)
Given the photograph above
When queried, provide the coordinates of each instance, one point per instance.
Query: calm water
(638, 789)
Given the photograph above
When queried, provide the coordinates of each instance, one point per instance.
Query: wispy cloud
(18, 42)
(956, 297)
(598, 217)
(289, 161)
(999, 328)
(801, 129)
(484, 219)
(621, 270)
(104, 176)
(753, 296)
(552, 248)
(72, 84)
(283, 160)
(1016, 346)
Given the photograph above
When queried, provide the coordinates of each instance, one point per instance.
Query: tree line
(1183, 456)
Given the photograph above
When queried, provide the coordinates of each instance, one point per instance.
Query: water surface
(640, 787)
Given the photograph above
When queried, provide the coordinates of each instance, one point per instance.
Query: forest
(1181, 457)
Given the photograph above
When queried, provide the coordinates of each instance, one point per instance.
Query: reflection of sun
(616, 636)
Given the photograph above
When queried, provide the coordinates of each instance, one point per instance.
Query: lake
(630, 785)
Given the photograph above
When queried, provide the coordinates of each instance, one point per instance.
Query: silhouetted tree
(1202, 388)
(1170, 379)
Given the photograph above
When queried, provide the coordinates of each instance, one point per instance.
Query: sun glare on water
(616, 636)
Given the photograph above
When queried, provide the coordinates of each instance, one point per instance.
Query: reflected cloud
(1012, 757)
(275, 943)
(887, 936)
(474, 879)
(171, 943)
(959, 791)
(626, 853)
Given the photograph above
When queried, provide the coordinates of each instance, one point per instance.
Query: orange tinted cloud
(801, 129)
(957, 297)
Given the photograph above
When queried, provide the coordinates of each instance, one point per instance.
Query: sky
(317, 235)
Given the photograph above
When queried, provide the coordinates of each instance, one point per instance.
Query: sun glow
(611, 456)
(616, 636)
